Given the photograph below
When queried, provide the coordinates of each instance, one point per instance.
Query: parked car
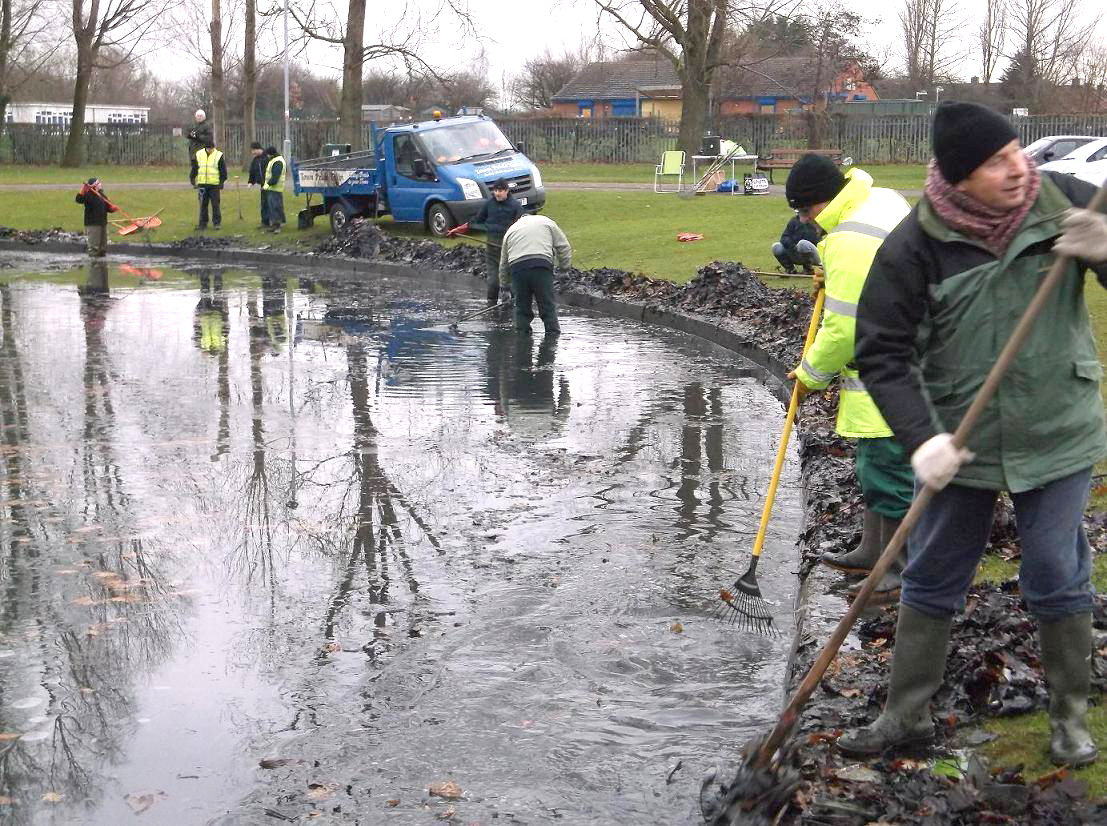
(1087, 162)
(1055, 147)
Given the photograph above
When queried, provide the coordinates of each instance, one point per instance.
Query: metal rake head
(749, 612)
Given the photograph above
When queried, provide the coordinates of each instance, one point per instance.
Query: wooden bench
(786, 158)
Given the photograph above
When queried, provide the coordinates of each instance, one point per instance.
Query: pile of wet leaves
(210, 242)
(39, 236)
(363, 239)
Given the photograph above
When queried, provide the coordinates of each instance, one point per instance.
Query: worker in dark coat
(208, 174)
(495, 217)
(272, 188)
(199, 134)
(784, 250)
(945, 292)
(97, 208)
(257, 177)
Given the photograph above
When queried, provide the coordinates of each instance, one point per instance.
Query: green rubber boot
(887, 590)
(1067, 660)
(918, 663)
(862, 558)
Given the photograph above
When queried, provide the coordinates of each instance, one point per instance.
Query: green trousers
(534, 283)
(885, 475)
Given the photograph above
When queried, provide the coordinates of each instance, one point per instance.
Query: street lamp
(938, 91)
(920, 94)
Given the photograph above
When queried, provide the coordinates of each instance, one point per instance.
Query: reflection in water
(396, 544)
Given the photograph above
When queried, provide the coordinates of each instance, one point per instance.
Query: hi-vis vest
(279, 185)
(207, 167)
(857, 221)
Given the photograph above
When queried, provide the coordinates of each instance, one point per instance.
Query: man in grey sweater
(532, 247)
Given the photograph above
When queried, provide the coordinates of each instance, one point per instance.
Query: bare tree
(691, 34)
(543, 75)
(218, 90)
(23, 29)
(204, 36)
(249, 80)
(990, 37)
(404, 40)
(102, 24)
(1052, 34)
(930, 33)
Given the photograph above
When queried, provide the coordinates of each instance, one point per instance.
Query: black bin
(710, 146)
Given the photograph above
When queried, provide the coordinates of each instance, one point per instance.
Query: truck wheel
(340, 215)
(439, 220)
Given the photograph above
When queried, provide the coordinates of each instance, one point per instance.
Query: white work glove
(936, 461)
(1085, 236)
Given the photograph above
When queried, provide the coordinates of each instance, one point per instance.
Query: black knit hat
(814, 179)
(965, 135)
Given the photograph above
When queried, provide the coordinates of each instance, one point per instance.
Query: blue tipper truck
(436, 173)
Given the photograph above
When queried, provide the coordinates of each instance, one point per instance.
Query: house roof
(776, 77)
(620, 79)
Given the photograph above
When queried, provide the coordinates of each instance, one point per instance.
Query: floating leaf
(6, 736)
(273, 762)
(392, 804)
(141, 801)
(448, 790)
(52, 797)
(319, 791)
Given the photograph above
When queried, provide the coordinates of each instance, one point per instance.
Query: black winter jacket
(495, 217)
(896, 300)
(797, 231)
(198, 137)
(96, 208)
(257, 169)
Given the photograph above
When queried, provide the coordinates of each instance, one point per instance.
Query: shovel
(759, 771)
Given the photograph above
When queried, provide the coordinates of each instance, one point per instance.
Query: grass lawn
(24, 174)
(630, 230)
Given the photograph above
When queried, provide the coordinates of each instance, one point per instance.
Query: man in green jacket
(945, 292)
(856, 217)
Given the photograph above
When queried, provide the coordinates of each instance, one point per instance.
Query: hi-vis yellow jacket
(856, 222)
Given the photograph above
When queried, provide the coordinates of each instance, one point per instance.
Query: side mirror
(1047, 156)
(419, 167)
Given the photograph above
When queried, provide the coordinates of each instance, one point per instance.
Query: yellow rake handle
(782, 450)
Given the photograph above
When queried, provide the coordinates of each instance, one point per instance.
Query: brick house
(782, 84)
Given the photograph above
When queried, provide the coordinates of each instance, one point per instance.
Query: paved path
(599, 186)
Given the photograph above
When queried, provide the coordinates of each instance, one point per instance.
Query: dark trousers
(275, 200)
(97, 235)
(534, 283)
(492, 270)
(945, 547)
(264, 208)
(209, 195)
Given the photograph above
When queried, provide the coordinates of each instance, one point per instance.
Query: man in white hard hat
(199, 134)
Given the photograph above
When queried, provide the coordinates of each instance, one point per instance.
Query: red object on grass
(689, 236)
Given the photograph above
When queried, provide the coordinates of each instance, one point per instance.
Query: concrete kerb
(762, 365)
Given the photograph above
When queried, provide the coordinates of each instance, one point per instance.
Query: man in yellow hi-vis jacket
(208, 174)
(856, 217)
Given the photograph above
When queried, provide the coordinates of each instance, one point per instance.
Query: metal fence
(867, 139)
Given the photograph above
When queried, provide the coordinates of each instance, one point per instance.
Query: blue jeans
(946, 545)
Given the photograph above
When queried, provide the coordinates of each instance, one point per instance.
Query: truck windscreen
(464, 142)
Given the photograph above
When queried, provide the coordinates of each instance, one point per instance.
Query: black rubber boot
(1067, 660)
(887, 590)
(922, 643)
(862, 558)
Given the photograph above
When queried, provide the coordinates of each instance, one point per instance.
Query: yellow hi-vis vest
(207, 167)
(279, 185)
(857, 221)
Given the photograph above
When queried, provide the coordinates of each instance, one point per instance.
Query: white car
(1055, 147)
(1087, 162)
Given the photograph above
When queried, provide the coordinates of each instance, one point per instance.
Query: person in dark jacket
(495, 217)
(944, 294)
(257, 177)
(208, 174)
(97, 208)
(199, 134)
(784, 250)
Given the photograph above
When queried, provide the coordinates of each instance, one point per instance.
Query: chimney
(975, 80)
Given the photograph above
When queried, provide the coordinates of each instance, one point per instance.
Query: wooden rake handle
(786, 434)
(987, 391)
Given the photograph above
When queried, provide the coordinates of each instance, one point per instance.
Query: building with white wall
(60, 114)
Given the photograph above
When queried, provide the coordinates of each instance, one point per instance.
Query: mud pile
(39, 236)
(362, 239)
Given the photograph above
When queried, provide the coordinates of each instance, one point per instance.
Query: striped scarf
(959, 211)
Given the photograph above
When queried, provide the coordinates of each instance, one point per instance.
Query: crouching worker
(946, 291)
(856, 217)
(784, 250)
(97, 208)
(532, 246)
(495, 217)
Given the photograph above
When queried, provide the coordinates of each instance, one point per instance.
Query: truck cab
(435, 172)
